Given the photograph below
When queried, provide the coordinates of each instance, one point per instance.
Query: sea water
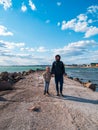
(84, 74)
(19, 68)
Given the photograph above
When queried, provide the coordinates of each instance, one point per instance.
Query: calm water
(18, 68)
(83, 74)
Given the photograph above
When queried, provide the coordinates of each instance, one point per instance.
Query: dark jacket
(58, 68)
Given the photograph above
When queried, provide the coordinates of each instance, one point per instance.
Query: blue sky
(34, 31)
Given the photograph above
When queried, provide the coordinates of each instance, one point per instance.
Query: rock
(70, 78)
(11, 78)
(12, 75)
(4, 76)
(17, 78)
(90, 85)
(89, 81)
(35, 108)
(24, 73)
(78, 80)
(15, 74)
(31, 71)
(5, 85)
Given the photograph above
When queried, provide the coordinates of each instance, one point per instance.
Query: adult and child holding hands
(57, 71)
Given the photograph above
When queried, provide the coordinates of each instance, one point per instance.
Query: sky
(32, 32)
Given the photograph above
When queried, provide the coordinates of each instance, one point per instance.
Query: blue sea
(84, 74)
(20, 68)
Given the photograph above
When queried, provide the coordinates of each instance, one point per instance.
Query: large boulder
(5, 85)
(15, 74)
(24, 73)
(90, 85)
(17, 78)
(4, 76)
(14, 77)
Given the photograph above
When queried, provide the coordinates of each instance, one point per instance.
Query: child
(47, 78)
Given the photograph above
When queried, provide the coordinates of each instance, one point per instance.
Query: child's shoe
(44, 92)
(58, 94)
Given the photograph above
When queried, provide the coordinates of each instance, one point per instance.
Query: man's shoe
(58, 94)
(61, 94)
(48, 93)
(44, 92)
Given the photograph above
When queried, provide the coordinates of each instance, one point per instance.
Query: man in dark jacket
(58, 70)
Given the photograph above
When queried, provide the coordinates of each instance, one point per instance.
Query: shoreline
(70, 66)
(11, 78)
(79, 67)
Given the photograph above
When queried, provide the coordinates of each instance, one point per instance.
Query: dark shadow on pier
(79, 99)
(64, 97)
(76, 99)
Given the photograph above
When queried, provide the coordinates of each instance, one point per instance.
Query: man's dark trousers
(59, 79)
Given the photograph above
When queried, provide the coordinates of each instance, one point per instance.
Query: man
(58, 70)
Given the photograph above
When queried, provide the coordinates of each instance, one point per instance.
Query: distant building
(89, 65)
(75, 65)
(97, 64)
(94, 64)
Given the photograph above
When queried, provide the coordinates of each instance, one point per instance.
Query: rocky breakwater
(7, 80)
(90, 85)
(87, 84)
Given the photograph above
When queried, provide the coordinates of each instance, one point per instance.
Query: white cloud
(59, 3)
(20, 55)
(90, 21)
(27, 49)
(58, 24)
(47, 21)
(10, 45)
(32, 5)
(23, 8)
(93, 9)
(16, 53)
(77, 26)
(75, 48)
(10, 54)
(6, 3)
(75, 52)
(41, 49)
(23, 59)
(91, 32)
(81, 27)
(70, 24)
(82, 17)
(81, 24)
(18, 60)
(78, 52)
(4, 32)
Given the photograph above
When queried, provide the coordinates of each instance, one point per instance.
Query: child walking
(47, 78)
